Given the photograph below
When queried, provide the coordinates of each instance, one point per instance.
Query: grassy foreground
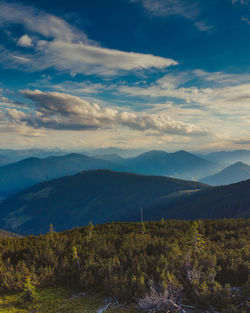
(57, 300)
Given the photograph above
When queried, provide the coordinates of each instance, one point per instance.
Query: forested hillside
(204, 263)
(101, 196)
(231, 201)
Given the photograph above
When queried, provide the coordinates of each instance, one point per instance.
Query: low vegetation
(170, 264)
(51, 300)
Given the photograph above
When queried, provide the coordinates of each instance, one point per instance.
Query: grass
(51, 300)
(57, 300)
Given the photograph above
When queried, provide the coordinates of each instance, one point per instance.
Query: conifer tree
(29, 290)
(91, 227)
(51, 231)
(76, 257)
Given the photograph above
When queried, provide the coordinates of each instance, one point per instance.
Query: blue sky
(162, 74)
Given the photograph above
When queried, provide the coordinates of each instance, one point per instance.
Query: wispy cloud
(226, 88)
(245, 19)
(58, 44)
(188, 9)
(240, 1)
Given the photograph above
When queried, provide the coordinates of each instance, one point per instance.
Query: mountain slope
(4, 160)
(124, 153)
(23, 174)
(6, 234)
(178, 164)
(235, 173)
(231, 201)
(99, 195)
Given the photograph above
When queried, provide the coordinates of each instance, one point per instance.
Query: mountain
(180, 164)
(23, 174)
(124, 153)
(231, 174)
(6, 234)
(4, 160)
(229, 157)
(230, 201)
(15, 155)
(111, 157)
(99, 195)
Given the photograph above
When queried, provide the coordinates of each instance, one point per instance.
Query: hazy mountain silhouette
(23, 174)
(180, 164)
(232, 174)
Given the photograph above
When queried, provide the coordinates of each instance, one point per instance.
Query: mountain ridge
(96, 195)
(25, 173)
(234, 173)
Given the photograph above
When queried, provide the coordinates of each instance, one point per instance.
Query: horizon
(133, 74)
(133, 152)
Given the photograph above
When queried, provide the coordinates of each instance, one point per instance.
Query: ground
(57, 300)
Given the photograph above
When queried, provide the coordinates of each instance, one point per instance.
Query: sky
(151, 74)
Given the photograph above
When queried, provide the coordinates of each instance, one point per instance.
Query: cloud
(188, 9)
(25, 41)
(245, 19)
(170, 7)
(240, 1)
(222, 78)
(60, 111)
(242, 141)
(202, 26)
(225, 89)
(58, 44)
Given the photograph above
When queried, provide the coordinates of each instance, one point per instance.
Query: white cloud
(80, 57)
(25, 41)
(58, 44)
(60, 111)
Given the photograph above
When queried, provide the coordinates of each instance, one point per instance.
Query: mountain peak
(239, 164)
(234, 173)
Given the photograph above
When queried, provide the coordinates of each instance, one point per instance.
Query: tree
(51, 231)
(91, 227)
(29, 290)
(76, 257)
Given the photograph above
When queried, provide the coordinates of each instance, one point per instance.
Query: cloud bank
(60, 111)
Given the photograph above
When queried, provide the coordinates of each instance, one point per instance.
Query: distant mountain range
(232, 174)
(229, 157)
(181, 164)
(23, 174)
(14, 155)
(100, 196)
(125, 153)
